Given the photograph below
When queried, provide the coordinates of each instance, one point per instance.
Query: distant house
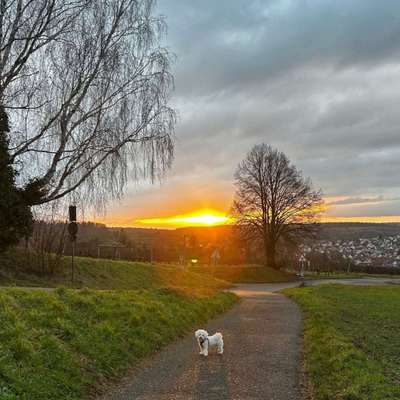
(377, 251)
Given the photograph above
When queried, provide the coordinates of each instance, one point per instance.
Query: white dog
(205, 341)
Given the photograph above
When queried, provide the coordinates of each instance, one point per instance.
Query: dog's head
(201, 335)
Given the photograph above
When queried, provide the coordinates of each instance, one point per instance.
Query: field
(245, 273)
(70, 344)
(64, 344)
(345, 275)
(352, 341)
(357, 230)
(107, 274)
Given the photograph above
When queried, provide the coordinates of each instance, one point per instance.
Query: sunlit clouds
(318, 80)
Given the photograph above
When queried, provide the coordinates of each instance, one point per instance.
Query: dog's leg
(221, 347)
(200, 346)
(205, 346)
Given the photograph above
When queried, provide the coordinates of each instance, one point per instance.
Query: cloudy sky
(319, 79)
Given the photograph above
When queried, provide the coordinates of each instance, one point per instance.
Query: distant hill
(354, 230)
(165, 245)
(328, 231)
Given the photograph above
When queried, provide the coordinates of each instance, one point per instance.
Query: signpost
(302, 261)
(73, 231)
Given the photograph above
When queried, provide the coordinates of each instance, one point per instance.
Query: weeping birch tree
(87, 85)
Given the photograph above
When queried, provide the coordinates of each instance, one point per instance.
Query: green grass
(333, 275)
(107, 274)
(352, 340)
(70, 344)
(67, 344)
(245, 273)
(345, 275)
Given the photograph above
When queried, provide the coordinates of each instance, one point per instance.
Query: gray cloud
(318, 79)
(357, 200)
(229, 44)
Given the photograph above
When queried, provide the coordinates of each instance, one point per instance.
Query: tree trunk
(270, 254)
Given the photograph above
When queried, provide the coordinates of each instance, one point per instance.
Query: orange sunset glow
(377, 219)
(214, 212)
(213, 217)
(198, 218)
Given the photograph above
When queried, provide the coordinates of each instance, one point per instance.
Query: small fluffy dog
(205, 341)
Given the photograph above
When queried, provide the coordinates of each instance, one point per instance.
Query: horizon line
(394, 219)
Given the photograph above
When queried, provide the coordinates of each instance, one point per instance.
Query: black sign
(73, 230)
(72, 213)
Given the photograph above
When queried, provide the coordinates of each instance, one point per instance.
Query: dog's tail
(219, 334)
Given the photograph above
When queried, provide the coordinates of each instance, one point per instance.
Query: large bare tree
(273, 201)
(87, 86)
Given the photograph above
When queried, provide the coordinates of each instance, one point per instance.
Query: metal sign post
(72, 262)
(73, 231)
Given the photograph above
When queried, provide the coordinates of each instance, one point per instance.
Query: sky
(318, 79)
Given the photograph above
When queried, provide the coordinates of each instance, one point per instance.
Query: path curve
(262, 358)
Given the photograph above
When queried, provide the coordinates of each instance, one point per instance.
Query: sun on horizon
(205, 217)
(212, 217)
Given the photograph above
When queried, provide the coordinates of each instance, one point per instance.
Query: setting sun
(199, 218)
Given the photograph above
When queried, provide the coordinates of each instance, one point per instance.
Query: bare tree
(273, 201)
(87, 85)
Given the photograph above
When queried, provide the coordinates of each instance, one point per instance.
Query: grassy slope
(245, 273)
(65, 344)
(62, 344)
(352, 341)
(107, 274)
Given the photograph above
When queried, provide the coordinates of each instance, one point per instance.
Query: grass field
(67, 344)
(345, 275)
(108, 274)
(352, 341)
(245, 273)
(70, 344)
(333, 275)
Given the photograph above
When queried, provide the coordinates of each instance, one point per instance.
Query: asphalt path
(262, 336)
(262, 358)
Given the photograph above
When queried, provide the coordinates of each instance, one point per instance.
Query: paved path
(262, 356)
(261, 359)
